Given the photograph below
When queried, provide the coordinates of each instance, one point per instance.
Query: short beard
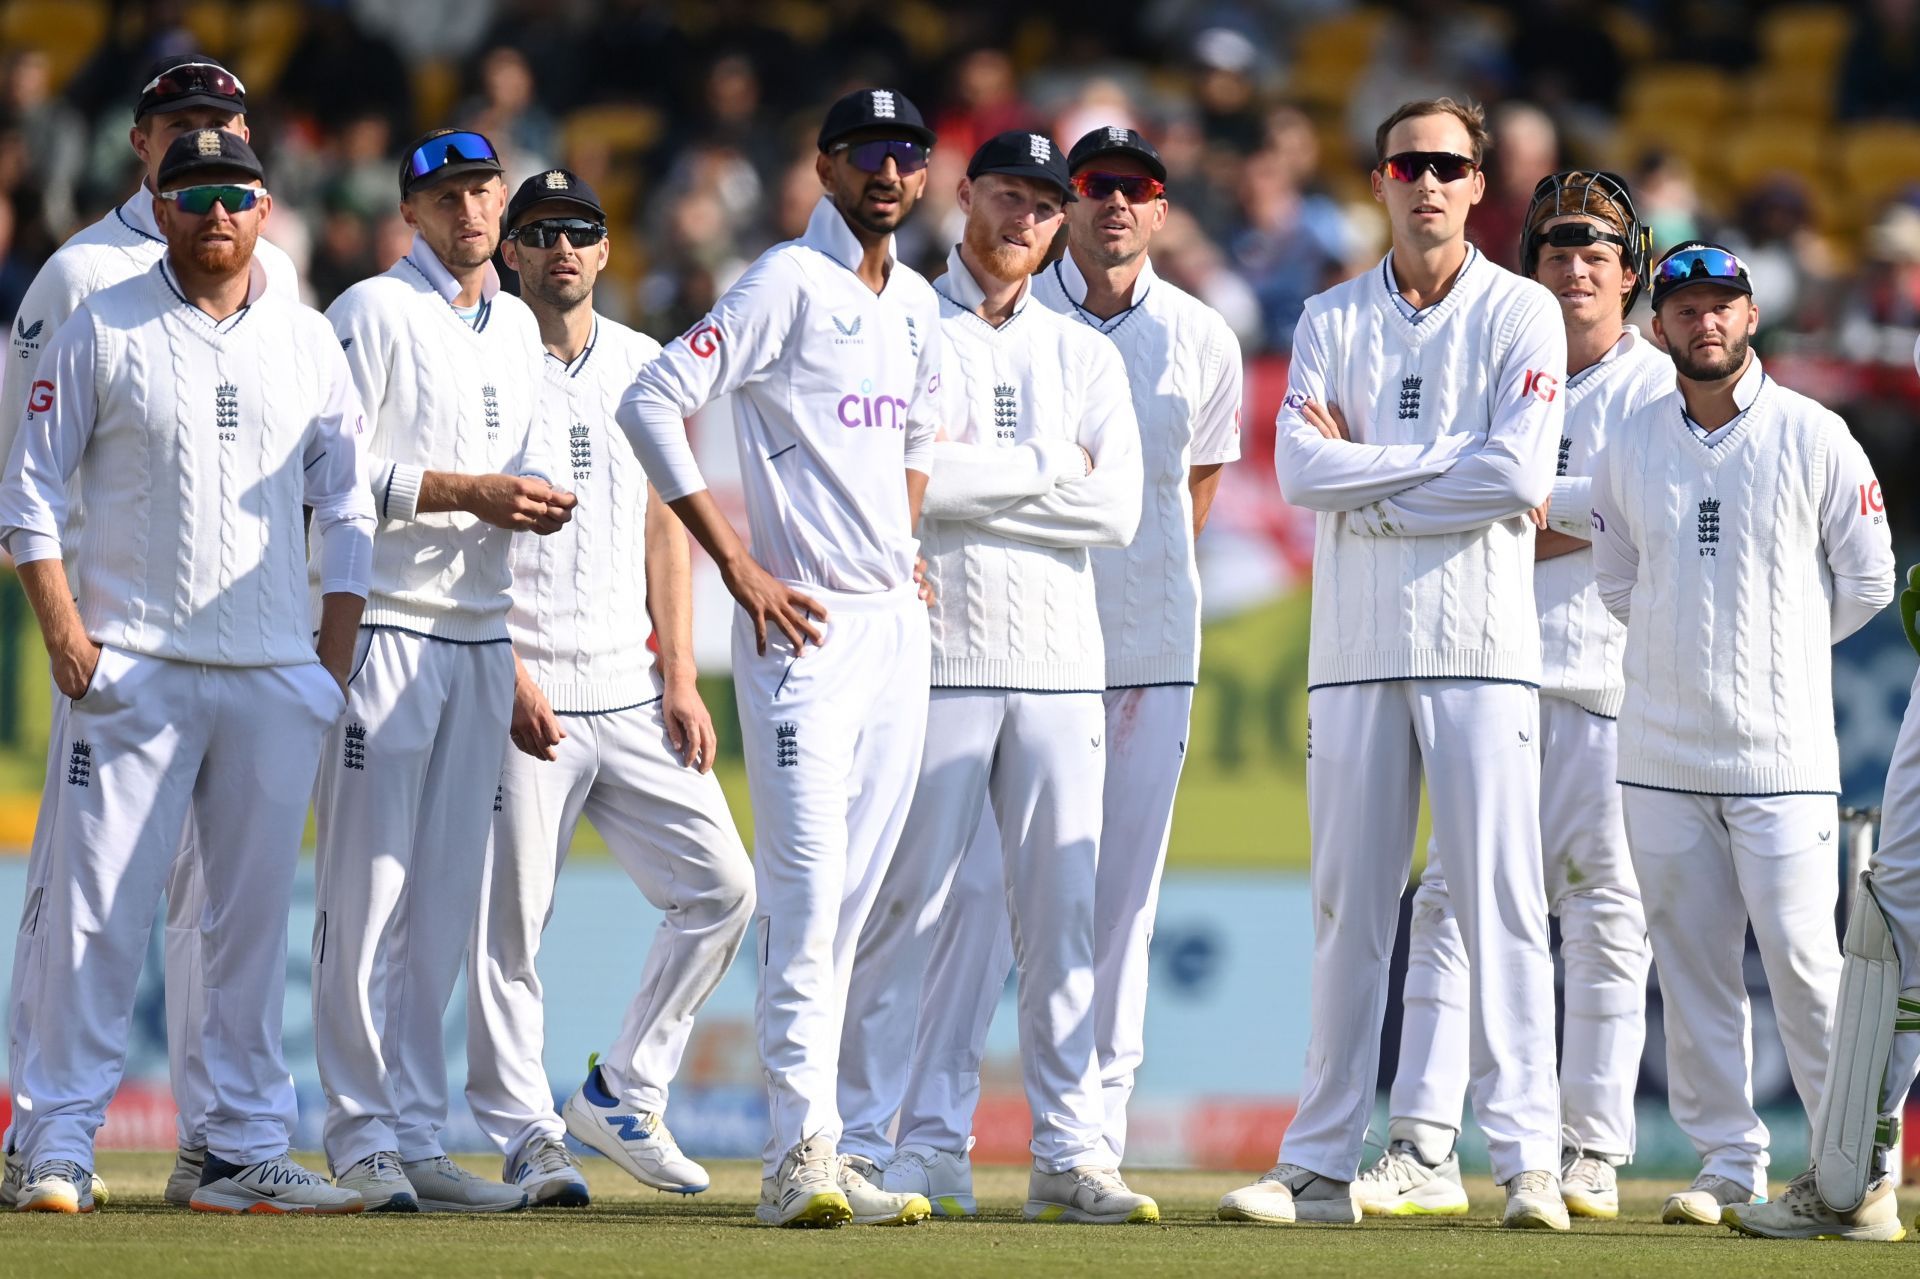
(853, 208)
(1110, 258)
(563, 297)
(223, 260)
(1005, 262)
(1714, 370)
(459, 258)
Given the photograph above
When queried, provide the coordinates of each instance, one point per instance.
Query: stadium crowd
(694, 119)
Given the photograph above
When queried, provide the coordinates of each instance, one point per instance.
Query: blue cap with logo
(1022, 155)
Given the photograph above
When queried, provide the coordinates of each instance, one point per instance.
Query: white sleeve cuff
(397, 494)
(1571, 511)
(28, 547)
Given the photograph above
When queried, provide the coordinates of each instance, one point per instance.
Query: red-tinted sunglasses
(195, 77)
(1138, 188)
(1407, 166)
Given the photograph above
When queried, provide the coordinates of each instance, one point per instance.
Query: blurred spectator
(54, 134)
(338, 66)
(508, 113)
(1431, 51)
(428, 28)
(1101, 102)
(1184, 255)
(986, 101)
(1880, 74)
(1792, 264)
(1882, 315)
(1293, 244)
(1667, 200)
(1563, 55)
(1223, 89)
(1525, 149)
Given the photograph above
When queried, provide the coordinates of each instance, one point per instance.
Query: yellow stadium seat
(1878, 160)
(625, 130)
(436, 88)
(1330, 55)
(1809, 38)
(1698, 142)
(1787, 93)
(1630, 33)
(268, 32)
(1676, 91)
(1767, 147)
(67, 31)
(214, 26)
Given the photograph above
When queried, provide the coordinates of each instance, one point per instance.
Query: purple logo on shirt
(864, 409)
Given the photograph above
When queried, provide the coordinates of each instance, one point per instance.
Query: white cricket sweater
(123, 244)
(197, 444)
(1736, 566)
(441, 395)
(1580, 642)
(1184, 369)
(1011, 510)
(831, 385)
(1423, 555)
(579, 619)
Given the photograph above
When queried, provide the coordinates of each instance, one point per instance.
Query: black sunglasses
(546, 233)
(871, 157)
(1407, 166)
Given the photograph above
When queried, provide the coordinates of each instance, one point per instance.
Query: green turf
(634, 1231)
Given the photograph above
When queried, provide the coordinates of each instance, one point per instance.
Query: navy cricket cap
(1022, 155)
(1114, 140)
(1698, 262)
(874, 109)
(206, 151)
(555, 185)
(189, 80)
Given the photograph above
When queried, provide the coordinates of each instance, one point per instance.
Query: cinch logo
(1872, 501)
(40, 397)
(866, 409)
(1542, 386)
(704, 340)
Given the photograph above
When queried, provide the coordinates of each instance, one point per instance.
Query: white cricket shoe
(805, 1192)
(1534, 1202)
(1800, 1213)
(56, 1185)
(1400, 1185)
(636, 1140)
(15, 1180)
(1700, 1203)
(946, 1179)
(188, 1163)
(381, 1185)
(276, 1185)
(442, 1185)
(871, 1205)
(1086, 1196)
(1287, 1193)
(549, 1174)
(1589, 1185)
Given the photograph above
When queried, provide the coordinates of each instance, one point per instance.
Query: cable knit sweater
(1184, 371)
(579, 619)
(442, 395)
(1011, 509)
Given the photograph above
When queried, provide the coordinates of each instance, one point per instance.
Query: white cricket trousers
(971, 951)
(1709, 865)
(669, 828)
(1896, 875)
(403, 810)
(1603, 943)
(185, 990)
(833, 740)
(1368, 745)
(1039, 759)
(151, 740)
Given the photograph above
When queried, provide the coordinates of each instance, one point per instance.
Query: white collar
(1628, 339)
(964, 291)
(1407, 308)
(256, 287)
(137, 214)
(827, 231)
(1745, 392)
(428, 264)
(1074, 282)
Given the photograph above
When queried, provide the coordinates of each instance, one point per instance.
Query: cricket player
(1042, 465)
(1425, 402)
(830, 348)
(1848, 1193)
(1583, 240)
(449, 368)
(203, 412)
(179, 95)
(1184, 371)
(1739, 533)
(602, 732)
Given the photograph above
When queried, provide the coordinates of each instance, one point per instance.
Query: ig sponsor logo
(704, 339)
(40, 396)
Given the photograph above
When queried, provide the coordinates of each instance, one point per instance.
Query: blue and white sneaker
(276, 1185)
(56, 1185)
(550, 1175)
(636, 1140)
(14, 1181)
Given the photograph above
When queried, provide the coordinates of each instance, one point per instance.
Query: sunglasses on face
(195, 77)
(200, 200)
(449, 148)
(546, 233)
(1700, 264)
(1138, 188)
(1407, 166)
(871, 157)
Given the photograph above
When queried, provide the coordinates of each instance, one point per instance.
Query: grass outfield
(633, 1231)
